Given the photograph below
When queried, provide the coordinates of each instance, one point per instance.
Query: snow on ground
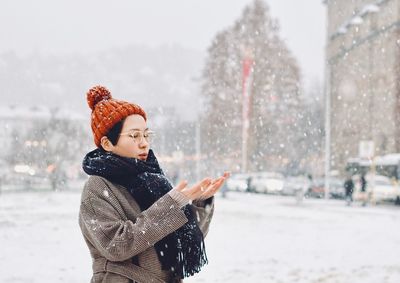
(253, 238)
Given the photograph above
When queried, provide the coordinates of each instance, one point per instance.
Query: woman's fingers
(212, 189)
(202, 184)
(181, 185)
(218, 184)
(197, 190)
(226, 175)
(203, 189)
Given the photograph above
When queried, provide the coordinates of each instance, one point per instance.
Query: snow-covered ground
(253, 238)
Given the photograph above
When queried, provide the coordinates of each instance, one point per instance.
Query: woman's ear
(106, 144)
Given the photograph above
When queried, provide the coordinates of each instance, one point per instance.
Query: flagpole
(246, 86)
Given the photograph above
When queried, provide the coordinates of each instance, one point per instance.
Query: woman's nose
(144, 143)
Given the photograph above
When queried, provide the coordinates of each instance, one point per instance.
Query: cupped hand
(194, 191)
(214, 186)
(204, 189)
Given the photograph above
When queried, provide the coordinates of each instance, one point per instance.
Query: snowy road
(253, 238)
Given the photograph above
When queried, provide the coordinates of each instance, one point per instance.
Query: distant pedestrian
(299, 194)
(249, 180)
(363, 189)
(349, 188)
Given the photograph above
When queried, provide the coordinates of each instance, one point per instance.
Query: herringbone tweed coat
(120, 236)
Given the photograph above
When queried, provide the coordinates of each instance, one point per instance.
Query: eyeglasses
(138, 136)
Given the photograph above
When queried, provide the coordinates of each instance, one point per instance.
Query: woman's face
(132, 142)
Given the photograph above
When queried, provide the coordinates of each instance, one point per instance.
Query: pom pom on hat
(97, 94)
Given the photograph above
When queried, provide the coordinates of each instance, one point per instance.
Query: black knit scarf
(182, 251)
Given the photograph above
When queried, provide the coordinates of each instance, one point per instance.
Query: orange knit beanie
(106, 111)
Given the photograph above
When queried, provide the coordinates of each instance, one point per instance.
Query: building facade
(362, 53)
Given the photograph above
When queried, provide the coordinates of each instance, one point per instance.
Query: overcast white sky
(70, 25)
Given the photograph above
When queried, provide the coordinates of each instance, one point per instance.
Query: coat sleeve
(204, 212)
(118, 239)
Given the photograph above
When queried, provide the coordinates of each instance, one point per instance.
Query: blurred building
(34, 135)
(16, 121)
(363, 52)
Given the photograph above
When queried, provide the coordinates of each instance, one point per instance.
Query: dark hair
(113, 133)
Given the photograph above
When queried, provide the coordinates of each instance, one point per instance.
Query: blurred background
(183, 62)
(298, 99)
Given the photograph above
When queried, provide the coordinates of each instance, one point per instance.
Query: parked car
(267, 182)
(317, 188)
(237, 182)
(293, 184)
(336, 188)
(379, 189)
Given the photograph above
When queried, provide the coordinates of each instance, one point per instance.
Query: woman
(137, 227)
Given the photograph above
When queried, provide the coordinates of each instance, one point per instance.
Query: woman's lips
(143, 156)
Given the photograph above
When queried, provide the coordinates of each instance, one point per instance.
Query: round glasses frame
(138, 136)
